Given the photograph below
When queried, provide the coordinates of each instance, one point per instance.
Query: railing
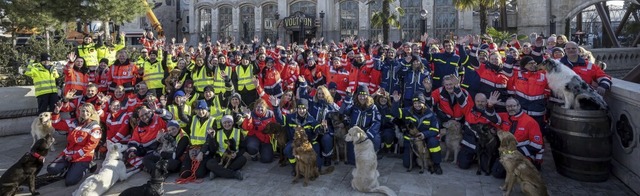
(619, 60)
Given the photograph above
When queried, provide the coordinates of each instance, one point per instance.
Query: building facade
(296, 20)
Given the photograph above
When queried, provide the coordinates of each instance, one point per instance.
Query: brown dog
(419, 148)
(453, 132)
(228, 153)
(339, 132)
(279, 133)
(172, 79)
(518, 168)
(26, 169)
(306, 165)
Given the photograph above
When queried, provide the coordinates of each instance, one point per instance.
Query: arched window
(269, 22)
(247, 23)
(349, 18)
(375, 32)
(411, 20)
(205, 23)
(307, 7)
(225, 17)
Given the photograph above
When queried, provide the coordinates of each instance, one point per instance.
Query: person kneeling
(227, 153)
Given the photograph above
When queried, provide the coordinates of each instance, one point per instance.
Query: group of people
(197, 99)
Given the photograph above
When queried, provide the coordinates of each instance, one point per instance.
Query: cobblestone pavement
(270, 179)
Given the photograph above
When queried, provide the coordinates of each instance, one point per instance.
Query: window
(307, 7)
(247, 23)
(269, 24)
(204, 28)
(375, 32)
(411, 21)
(349, 18)
(225, 17)
(447, 20)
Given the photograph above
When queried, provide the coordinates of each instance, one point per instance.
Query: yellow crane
(153, 19)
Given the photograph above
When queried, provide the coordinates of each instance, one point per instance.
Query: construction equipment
(153, 19)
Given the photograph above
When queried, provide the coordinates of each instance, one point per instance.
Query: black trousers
(235, 165)
(47, 102)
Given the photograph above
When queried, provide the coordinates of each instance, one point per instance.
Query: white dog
(41, 126)
(565, 83)
(365, 175)
(112, 170)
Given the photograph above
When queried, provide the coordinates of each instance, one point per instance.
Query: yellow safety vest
(201, 80)
(218, 82)
(216, 109)
(89, 53)
(221, 137)
(180, 135)
(153, 74)
(245, 78)
(174, 110)
(199, 131)
(44, 80)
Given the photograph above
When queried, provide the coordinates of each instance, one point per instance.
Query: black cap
(302, 103)
(154, 52)
(555, 49)
(45, 57)
(418, 98)
(269, 59)
(104, 60)
(246, 56)
(333, 85)
(208, 88)
(362, 90)
(525, 60)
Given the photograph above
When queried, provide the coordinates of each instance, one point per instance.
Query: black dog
(26, 169)
(154, 186)
(486, 148)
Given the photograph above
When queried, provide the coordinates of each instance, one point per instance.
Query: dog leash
(192, 178)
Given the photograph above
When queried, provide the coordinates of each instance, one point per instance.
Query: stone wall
(619, 60)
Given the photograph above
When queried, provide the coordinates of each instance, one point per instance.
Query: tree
(481, 5)
(17, 22)
(385, 19)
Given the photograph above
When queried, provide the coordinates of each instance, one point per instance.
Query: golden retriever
(41, 126)
(519, 168)
(365, 175)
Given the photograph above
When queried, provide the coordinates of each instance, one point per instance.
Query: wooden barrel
(581, 143)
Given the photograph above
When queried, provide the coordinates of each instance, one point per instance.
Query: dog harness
(37, 156)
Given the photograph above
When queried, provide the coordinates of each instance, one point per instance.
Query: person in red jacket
(589, 72)
(151, 121)
(122, 72)
(83, 136)
(257, 141)
(338, 73)
(75, 75)
(117, 123)
(522, 126)
(450, 102)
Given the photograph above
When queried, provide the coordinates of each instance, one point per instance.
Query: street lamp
(277, 16)
(552, 25)
(322, 19)
(495, 21)
(424, 14)
(301, 21)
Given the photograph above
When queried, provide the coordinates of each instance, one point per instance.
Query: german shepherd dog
(519, 168)
(229, 152)
(25, 170)
(339, 132)
(486, 148)
(306, 158)
(280, 134)
(419, 148)
(154, 186)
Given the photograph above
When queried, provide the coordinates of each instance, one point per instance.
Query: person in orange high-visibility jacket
(360, 73)
(75, 75)
(103, 76)
(151, 121)
(450, 102)
(122, 72)
(269, 78)
(255, 122)
(83, 136)
(338, 73)
(117, 123)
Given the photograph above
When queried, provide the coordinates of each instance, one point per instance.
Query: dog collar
(359, 142)
(37, 156)
(509, 152)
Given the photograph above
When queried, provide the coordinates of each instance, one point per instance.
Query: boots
(437, 169)
(293, 172)
(327, 161)
(238, 175)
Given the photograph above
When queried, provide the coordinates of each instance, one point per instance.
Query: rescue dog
(280, 135)
(419, 148)
(25, 170)
(41, 126)
(453, 132)
(365, 175)
(486, 148)
(565, 83)
(339, 132)
(172, 79)
(228, 153)
(519, 168)
(154, 186)
(306, 165)
(167, 142)
(112, 171)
